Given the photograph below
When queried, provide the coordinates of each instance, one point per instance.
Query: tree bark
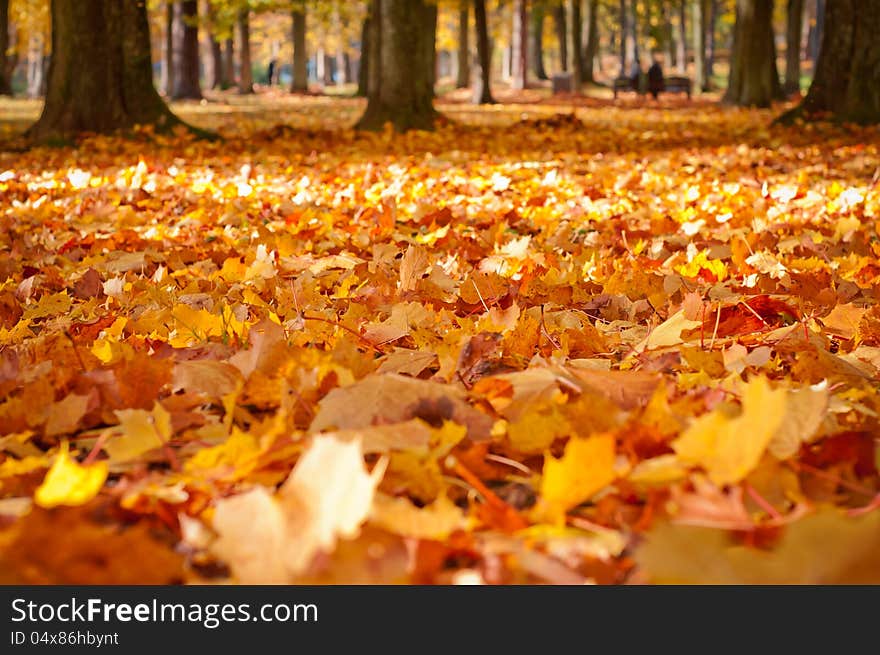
(561, 35)
(167, 73)
(793, 29)
(711, 26)
(463, 72)
(482, 88)
(228, 79)
(537, 42)
(846, 86)
(214, 60)
(364, 67)
(245, 74)
(698, 19)
(400, 86)
(300, 82)
(577, 61)
(591, 47)
(754, 80)
(100, 75)
(5, 81)
(519, 46)
(186, 51)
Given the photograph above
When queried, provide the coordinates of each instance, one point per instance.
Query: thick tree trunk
(401, 90)
(300, 82)
(711, 27)
(591, 48)
(622, 14)
(482, 88)
(847, 81)
(167, 73)
(463, 72)
(793, 30)
(698, 20)
(100, 76)
(186, 51)
(364, 67)
(228, 79)
(681, 41)
(537, 43)
(5, 81)
(754, 80)
(245, 74)
(577, 61)
(519, 46)
(561, 35)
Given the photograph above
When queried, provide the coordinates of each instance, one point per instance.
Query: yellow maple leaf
(730, 448)
(142, 431)
(70, 483)
(585, 468)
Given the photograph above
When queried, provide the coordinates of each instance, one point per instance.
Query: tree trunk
(711, 26)
(186, 51)
(623, 32)
(228, 79)
(214, 77)
(561, 35)
(482, 89)
(592, 45)
(5, 81)
(794, 26)
(668, 34)
(847, 81)
(300, 82)
(364, 66)
(245, 74)
(100, 50)
(519, 46)
(633, 24)
(167, 74)
(400, 86)
(537, 46)
(698, 20)
(681, 42)
(463, 72)
(577, 62)
(754, 80)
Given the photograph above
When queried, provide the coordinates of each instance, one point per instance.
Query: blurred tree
(5, 72)
(245, 72)
(300, 82)
(519, 45)
(794, 26)
(536, 36)
(482, 89)
(754, 80)
(574, 49)
(559, 21)
(591, 45)
(100, 77)
(847, 81)
(463, 60)
(400, 87)
(186, 51)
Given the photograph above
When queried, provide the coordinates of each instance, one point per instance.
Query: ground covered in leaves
(625, 344)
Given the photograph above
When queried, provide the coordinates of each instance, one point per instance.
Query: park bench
(672, 84)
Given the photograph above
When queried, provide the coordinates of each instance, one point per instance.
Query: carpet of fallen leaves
(626, 344)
